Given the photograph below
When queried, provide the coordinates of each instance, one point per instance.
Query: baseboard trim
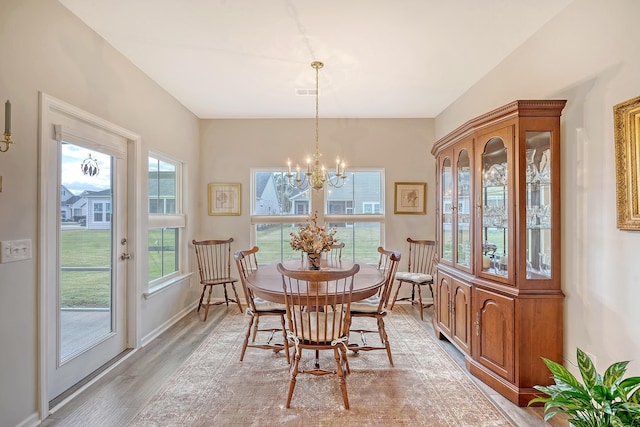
(166, 325)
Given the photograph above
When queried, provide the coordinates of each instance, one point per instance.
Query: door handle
(125, 256)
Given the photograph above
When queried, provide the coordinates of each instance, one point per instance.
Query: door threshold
(69, 394)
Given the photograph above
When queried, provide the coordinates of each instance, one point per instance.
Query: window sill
(156, 289)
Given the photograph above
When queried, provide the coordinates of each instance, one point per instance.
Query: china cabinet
(498, 291)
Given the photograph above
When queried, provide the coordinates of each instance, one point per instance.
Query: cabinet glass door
(495, 213)
(447, 212)
(463, 209)
(538, 193)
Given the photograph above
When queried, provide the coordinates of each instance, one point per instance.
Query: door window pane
(85, 292)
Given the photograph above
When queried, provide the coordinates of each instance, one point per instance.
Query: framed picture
(626, 117)
(410, 198)
(224, 199)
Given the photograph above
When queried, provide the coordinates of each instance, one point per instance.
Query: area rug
(424, 388)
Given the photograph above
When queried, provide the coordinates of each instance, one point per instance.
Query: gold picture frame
(410, 198)
(626, 119)
(224, 198)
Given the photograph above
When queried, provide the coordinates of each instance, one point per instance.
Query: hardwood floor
(520, 416)
(116, 398)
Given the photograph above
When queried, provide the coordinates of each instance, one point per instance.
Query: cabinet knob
(477, 323)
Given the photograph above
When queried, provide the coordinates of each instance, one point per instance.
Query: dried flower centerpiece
(313, 239)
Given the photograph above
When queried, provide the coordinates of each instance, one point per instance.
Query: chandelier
(316, 175)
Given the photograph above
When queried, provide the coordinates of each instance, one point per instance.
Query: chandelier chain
(316, 175)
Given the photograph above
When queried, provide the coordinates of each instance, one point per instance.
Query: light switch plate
(15, 250)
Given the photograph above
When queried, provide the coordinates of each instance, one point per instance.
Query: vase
(313, 260)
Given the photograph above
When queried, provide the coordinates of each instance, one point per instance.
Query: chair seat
(264, 305)
(413, 277)
(369, 305)
(218, 281)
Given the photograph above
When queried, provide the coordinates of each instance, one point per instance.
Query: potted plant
(609, 401)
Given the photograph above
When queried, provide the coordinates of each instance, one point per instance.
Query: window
(166, 220)
(97, 212)
(355, 210)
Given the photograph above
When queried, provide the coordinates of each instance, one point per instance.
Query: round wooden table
(266, 281)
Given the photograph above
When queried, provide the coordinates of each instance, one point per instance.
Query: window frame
(162, 221)
(318, 199)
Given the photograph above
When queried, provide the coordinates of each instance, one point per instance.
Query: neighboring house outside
(162, 192)
(266, 195)
(66, 201)
(359, 195)
(77, 207)
(91, 209)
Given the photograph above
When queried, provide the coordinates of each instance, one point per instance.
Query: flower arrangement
(311, 237)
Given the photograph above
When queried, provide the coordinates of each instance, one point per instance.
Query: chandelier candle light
(316, 174)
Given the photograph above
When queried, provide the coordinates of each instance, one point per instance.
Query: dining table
(266, 281)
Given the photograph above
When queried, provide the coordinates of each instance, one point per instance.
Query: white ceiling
(383, 58)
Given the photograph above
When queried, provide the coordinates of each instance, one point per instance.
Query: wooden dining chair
(214, 266)
(374, 307)
(335, 254)
(247, 263)
(418, 273)
(318, 310)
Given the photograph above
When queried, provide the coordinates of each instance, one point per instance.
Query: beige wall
(43, 47)
(400, 146)
(589, 56)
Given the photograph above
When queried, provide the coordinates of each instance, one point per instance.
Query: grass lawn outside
(83, 250)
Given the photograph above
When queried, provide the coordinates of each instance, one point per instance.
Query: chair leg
(204, 288)
(385, 339)
(233, 286)
(396, 294)
(286, 341)
(345, 360)
(206, 308)
(255, 329)
(226, 298)
(420, 303)
(246, 338)
(294, 372)
(337, 354)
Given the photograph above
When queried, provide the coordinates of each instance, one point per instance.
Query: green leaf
(614, 373)
(561, 374)
(587, 369)
(630, 387)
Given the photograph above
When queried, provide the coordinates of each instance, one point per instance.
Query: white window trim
(165, 221)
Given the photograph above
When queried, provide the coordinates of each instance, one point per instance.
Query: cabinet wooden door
(461, 315)
(443, 306)
(494, 332)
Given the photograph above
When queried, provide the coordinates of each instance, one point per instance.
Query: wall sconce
(7, 127)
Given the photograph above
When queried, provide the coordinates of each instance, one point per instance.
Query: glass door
(463, 211)
(539, 206)
(495, 200)
(447, 209)
(86, 317)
